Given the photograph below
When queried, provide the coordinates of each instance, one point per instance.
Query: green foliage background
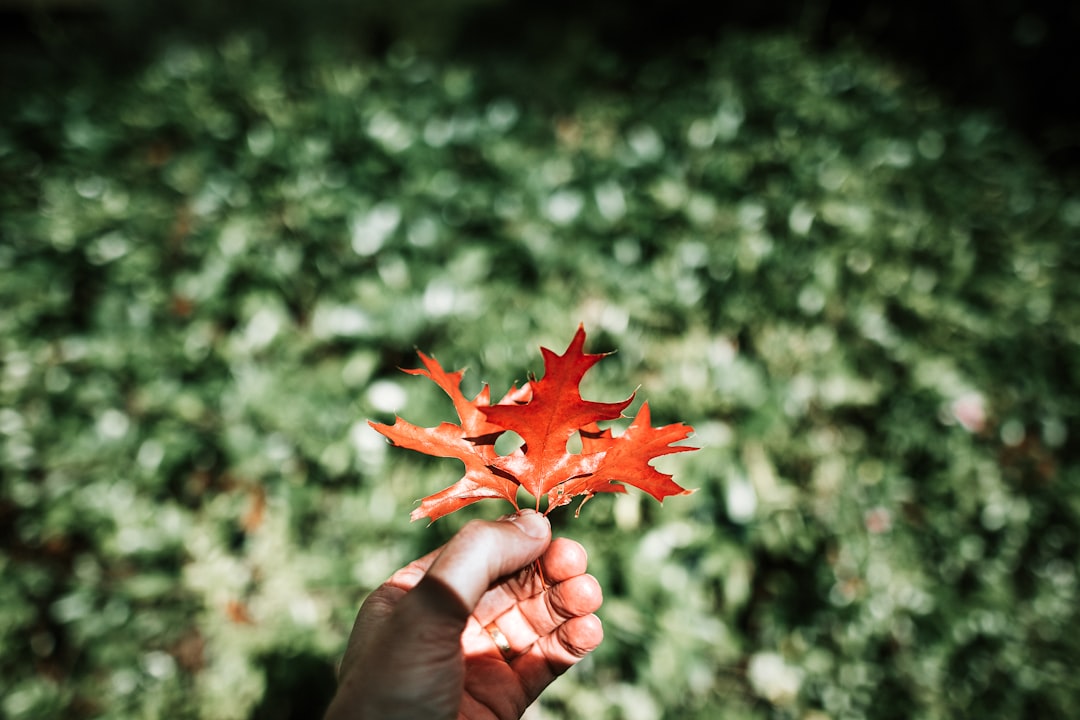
(865, 301)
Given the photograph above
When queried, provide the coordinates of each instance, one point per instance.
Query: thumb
(482, 552)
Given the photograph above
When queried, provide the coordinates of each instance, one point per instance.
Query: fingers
(407, 577)
(554, 654)
(563, 560)
(569, 599)
(530, 619)
(574, 640)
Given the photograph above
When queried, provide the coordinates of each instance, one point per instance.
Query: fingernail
(532, 523)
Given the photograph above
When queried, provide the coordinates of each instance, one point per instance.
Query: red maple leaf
(546, 413)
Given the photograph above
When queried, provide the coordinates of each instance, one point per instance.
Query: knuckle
(477, 531)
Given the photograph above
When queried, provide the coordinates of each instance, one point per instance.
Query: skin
(419, 647)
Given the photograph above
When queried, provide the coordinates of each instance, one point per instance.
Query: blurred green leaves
(864, 300)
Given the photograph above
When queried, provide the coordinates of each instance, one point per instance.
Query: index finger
(564, 559)
(407, 577)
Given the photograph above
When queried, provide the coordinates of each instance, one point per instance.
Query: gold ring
(500, 641)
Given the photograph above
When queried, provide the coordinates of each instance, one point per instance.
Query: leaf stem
(540, 574)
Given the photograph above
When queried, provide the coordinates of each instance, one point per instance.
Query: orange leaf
(472, 442)
(545, 413)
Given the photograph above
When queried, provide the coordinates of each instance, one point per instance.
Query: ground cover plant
(863, 300)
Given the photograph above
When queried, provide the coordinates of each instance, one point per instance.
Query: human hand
(471, 631)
